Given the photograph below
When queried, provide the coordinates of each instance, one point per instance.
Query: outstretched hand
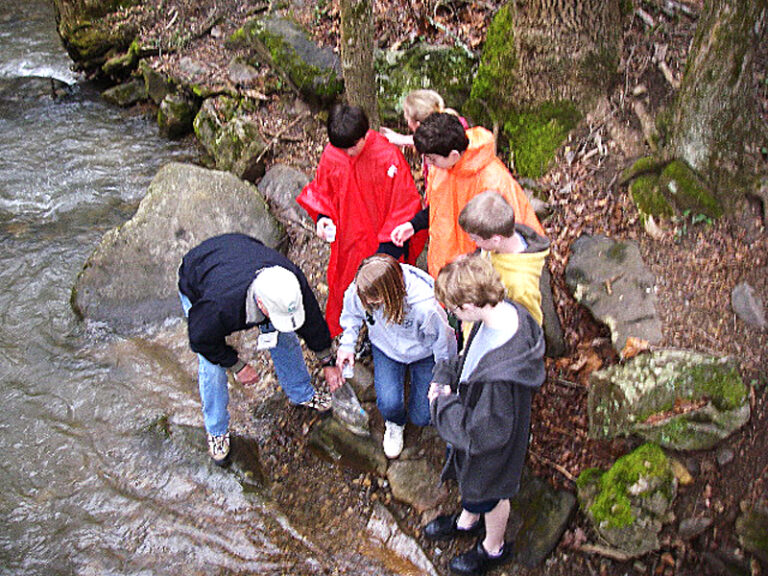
(248, 375)
(332, 375)
(401, 233)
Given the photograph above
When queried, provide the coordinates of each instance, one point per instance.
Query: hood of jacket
(518, 361)
(480, 152)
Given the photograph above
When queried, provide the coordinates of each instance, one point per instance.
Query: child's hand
(401, 233)
(436, 389)
(396, 138)
(345, 357)
(326, 229)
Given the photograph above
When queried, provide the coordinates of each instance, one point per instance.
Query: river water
(85, 488)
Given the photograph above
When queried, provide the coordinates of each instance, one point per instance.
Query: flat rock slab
(611, 280)
(416, 483)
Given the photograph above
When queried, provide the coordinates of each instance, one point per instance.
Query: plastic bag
(348, 411)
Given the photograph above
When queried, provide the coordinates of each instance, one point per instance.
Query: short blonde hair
(488, 214)
(419, 104)
(469, 279)
(380, 279)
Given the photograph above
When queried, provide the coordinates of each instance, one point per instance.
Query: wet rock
(690, 528)
(362, 381)
(748, 306)
(629, 504)
(416, 483)
(157, 85)
(126, 94)
(383, 526)
(130, 279)
(175, 116)
(332, 439)
(17, 94)
(752, 530)
(541, 515)
(447, 69)
(680, 399)
(280, 186)
(230, 137)
(610, 279)
(283, 45)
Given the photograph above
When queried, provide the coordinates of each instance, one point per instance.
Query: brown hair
(488, 214)
(470, 279)
(380, 279)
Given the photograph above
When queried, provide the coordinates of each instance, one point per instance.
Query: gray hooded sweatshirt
(423, 332)
(487, 421)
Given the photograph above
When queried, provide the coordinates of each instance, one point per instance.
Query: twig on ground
(611, 553)
(554, 465)
(668, 75)
(569, 384)
(645, 17)
(279, 135)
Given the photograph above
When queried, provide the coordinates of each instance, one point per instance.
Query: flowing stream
(85, 488)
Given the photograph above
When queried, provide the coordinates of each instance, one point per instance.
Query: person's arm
(207, 335)
(421, 220)
(437, 331)
(390, 248)
(351, 319)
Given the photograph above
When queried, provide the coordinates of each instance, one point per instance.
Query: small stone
(748, 306)
(691, 527)
(724, 457)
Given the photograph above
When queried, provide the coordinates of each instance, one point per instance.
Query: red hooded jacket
(366, 196)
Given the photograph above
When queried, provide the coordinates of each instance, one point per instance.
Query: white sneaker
(393, 439)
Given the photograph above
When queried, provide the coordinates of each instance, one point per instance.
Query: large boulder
(677, 398)
(446, 69)
(284, 45)
(92, 32)
(630, 503)
(130, 279)
(281, 185)
(610, 278)
(230, 137)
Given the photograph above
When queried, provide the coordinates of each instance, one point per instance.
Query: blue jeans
(389, 380)
(292, 375)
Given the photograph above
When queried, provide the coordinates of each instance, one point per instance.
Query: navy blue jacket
(215, 276)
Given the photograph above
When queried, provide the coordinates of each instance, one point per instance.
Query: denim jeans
(389, 380)
(292, 375)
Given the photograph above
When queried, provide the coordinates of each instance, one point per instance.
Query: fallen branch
(278, 136)
(611, 553)
(645, 17)
(554, 465)
(670, 77)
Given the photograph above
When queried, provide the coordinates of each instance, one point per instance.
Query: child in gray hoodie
(481, 407)
(408, 330)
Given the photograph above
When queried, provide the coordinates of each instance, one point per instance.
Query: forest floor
(696, 266)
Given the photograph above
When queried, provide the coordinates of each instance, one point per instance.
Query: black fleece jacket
(215, 276)
(487, 422)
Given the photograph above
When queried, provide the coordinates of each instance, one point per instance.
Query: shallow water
(91, 486)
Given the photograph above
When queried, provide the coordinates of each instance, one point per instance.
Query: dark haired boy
(362, 189)
(465, 164)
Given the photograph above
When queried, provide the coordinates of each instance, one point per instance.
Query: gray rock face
(383, 526)
(280, 186)
(748, 306)
(611, 280)
(130, 279)
(630, 503)
(333, 439)
(553, 329)
(315, 70)
(126, 94)
(416, 483)
(752, 528)
(232, 139)
(446, 69)
(679, 399)
(541, 515)
(175, 115)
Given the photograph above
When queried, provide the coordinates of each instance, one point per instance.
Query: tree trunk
(357, 56)
(716, 128)
(551, 50)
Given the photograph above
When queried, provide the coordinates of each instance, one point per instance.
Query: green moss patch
(536, 134)
(688, 191)
(612, 505)
(650, 201)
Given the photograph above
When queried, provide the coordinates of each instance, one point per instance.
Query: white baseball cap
(280, 293)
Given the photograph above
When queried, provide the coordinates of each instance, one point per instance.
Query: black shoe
(477, 561)
(444, 527)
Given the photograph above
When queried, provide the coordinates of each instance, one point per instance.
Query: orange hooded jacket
(449, 190)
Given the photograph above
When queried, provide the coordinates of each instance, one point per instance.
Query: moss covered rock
(688, 191)
(679, 399)
(93, 32)
(127, 93)
(535, 134)
(447, 70)
(175, 115)
(650, 201)
(284, 45)
(630, 503)
(232, 140)
(752, 530)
